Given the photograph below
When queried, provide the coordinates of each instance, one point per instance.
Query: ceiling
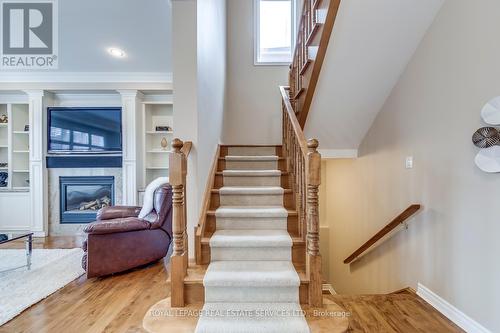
(88, 28)
(370, 47)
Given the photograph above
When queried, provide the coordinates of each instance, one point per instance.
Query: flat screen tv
(84, 130)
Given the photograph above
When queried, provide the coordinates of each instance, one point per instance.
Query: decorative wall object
(4, 119)
(488, 138)
(491, 112)
(164, 143)
(163, 128)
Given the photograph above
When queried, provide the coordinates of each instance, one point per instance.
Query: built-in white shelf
(14, 144)
(155, 157)
(159, 132)
(156, 168)
(158, 151)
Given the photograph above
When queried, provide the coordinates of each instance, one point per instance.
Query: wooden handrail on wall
(303, 164)
(179, 259)
(400, 219)
(315, 28)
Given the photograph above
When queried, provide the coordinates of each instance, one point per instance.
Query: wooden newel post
(178, 263)
(313, 265)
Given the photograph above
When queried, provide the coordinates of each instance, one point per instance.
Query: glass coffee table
(28, 239)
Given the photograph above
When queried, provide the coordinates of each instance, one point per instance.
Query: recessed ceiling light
(115, 52)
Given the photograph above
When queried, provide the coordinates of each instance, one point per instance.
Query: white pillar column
(38, 173)
(131, 106)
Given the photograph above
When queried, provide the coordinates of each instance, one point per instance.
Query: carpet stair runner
(251, 284)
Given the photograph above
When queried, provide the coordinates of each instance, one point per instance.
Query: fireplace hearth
(81, 197)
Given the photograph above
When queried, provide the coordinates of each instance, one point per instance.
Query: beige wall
(253, 100)
(452, 245)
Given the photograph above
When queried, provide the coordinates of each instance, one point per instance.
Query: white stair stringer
(251, 285)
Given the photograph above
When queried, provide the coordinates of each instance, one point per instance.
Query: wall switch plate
(409, 162)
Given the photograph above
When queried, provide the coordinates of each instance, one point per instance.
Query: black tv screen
(84, 130)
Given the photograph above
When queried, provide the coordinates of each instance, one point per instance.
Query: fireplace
(82, 197)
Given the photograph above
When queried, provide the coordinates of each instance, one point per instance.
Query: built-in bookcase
(156, 114)
(14, 146)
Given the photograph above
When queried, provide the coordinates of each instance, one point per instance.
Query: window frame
(256, 34)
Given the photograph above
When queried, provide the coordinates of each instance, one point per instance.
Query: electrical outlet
(409, 162)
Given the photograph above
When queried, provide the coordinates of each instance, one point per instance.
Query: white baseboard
(452, 313)
(328, 287)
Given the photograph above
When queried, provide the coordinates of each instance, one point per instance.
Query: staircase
(249, 241)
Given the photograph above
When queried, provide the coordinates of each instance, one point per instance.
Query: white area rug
(50, 271)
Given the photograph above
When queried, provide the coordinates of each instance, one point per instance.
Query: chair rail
(303, 164)
(400, 219)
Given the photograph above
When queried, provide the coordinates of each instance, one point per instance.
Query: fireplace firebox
(82, 197)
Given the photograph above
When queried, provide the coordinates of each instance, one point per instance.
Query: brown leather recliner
(119, 240)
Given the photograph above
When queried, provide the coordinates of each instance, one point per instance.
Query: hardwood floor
(113, 304)
(402, 312)
(120, 302)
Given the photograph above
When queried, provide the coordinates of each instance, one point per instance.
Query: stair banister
(179, 258)
(314, 32)
(304, 165)
(383, 233)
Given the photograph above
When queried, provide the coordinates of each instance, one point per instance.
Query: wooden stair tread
(291, 212)
(287, 190)
(259, 146)
(295, 240)
(196, 273)
(221, 173)
(280, 158)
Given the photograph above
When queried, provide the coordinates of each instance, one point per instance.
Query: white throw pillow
(149, 194)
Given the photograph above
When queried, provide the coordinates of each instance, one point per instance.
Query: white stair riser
(252, 294)
(259, 223)
(251, 165)
(250, 253)
(251, 200)
(252, 181)
(251, 151)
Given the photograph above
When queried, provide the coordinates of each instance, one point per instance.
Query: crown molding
(85, 77)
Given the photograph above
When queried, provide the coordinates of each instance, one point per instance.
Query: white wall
(253, 99)
(88, 28)
(184, 63)
(452, 245)
(199, 69)
(211, 33)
